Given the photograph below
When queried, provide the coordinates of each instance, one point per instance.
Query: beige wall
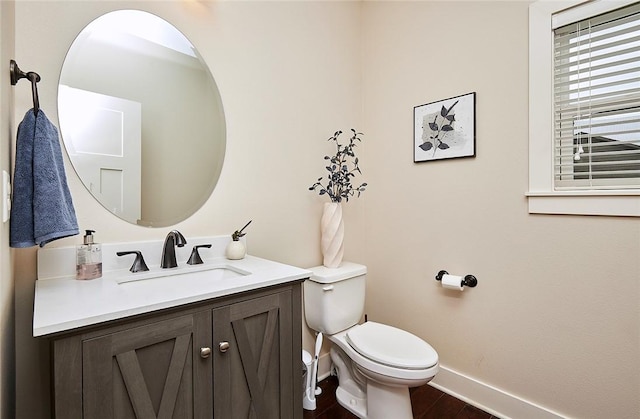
(551, 322)
(7, 342)
(555, 318)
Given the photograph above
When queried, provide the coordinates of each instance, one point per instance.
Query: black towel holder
(17, 74)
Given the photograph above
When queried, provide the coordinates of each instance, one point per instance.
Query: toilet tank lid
(346, 270)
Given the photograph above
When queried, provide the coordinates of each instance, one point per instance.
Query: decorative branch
(340, 175)
(239, 233)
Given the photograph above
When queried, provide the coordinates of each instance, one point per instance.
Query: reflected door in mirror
(104, 142)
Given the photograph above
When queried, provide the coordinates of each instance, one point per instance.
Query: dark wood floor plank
(446, 407)
(472, 412)
(424, 398)
(337, 412)
(427, 403)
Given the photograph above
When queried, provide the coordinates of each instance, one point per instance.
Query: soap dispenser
(89, 258)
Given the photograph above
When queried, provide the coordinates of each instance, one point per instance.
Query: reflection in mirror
(141, 118)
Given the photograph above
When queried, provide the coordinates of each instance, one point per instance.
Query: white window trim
(542, 197)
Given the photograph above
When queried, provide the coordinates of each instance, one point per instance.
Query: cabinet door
(253, 378)
(150, 371)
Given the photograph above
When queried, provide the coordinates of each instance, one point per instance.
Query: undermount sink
(212, 272)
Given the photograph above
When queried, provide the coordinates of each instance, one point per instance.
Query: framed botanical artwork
(445, 129)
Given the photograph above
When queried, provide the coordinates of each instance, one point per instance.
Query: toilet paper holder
(468, 281)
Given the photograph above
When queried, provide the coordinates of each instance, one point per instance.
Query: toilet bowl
(385, 370)
(376, 364)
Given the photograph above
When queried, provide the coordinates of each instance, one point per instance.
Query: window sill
(617, 204)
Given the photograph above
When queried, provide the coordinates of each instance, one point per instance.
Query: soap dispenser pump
(89, 258)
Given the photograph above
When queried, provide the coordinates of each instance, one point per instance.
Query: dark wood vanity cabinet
(234, 357)
(254, 353)
(148, 371)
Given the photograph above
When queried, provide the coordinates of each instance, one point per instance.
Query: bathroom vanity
(183, 345)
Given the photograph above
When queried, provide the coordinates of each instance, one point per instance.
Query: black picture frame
(445, 129)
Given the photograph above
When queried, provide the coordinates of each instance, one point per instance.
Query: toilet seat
(402, 376)
(391, 346)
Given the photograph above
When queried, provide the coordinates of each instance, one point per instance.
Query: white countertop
(64, 303)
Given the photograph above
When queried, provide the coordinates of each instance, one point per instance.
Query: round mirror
(141, 118)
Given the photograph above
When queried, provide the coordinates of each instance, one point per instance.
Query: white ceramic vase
(235, 250)
(332, 234)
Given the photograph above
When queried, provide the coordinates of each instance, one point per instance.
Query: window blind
(597, 102)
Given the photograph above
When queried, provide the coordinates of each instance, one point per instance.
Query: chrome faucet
(174, 238)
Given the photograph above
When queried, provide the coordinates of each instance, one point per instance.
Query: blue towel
(42, 209)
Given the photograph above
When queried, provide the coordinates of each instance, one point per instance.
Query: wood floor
(427, 403)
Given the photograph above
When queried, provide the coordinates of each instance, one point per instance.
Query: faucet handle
(138, 264)
(195, 258)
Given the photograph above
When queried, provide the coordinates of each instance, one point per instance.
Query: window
(597, 102)
(584, 136)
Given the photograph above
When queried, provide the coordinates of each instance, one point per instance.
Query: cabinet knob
(224, 346)
(205, 352)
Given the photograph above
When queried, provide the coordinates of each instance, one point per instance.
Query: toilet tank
(334, 297)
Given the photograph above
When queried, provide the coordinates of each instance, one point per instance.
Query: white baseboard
(488, 398)
(476, 393)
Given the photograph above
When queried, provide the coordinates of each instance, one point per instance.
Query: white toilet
(376, 364)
